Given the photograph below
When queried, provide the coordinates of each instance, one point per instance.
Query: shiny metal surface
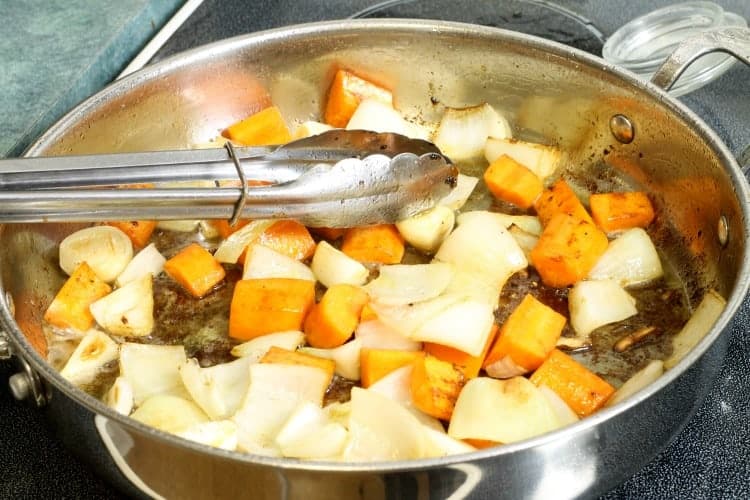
(549, 93)
(20, 386)
(339, 178)
(722, 231)
(735, 41)
(5, 350)
(26, 385)
(622, 129)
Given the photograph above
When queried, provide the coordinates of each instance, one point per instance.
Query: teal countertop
(55, 53)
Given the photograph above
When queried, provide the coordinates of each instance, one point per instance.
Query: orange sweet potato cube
(567, 250)
(332, 320)
(195, 269)
(560, 199)
(617, 211)
(139, 231)
(529, 335)
(510, 181)
(435, 385)
(266, 127)
(377, 363)
(468, 365)
(583, 390)
(290, 238)
(346, 92)
(381, 244)
(262, 306)
(70, 307)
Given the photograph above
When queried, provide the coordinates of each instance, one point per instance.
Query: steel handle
(734, 41)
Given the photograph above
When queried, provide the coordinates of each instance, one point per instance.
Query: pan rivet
(28, 385)
(20, 386)
(723, 231)
(622, 129)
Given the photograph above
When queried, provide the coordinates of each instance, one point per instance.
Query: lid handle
(735, 41)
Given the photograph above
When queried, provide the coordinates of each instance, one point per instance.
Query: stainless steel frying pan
(608, 123)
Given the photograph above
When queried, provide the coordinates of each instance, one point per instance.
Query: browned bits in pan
(573, 344)
(634, 338)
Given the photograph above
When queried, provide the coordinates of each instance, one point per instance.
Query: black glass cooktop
(533, 17)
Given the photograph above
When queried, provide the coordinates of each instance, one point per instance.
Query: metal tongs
(340, 178)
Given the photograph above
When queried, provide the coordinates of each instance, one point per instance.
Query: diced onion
(630, 259)
(169, 413)
(95, 350)
(221, 434)
(427, 230)
(458, 197)
(120, 396)
(258, 347)
(396, 386)
(540, 159)
(406, 284)
(209, 230)
(230, 249)
(505, 411)
(529, 223)
(374, 115)
(374, 334)
(596, 303)
(463, 132)
(309, 433)
(440, 444)
(333, 267)
(405, 319)
(129, 310)
(152, 369)
(179, 226)
(699, 324)
(475, 286)
(381, 429)
(526, 241)
(640, 379)
(339, 412)
(147, 261)
(346, 357)
(484, 254)
(263, 262)
(565, 414)
(276, 390)
(218, 389)
(465, 325)
(106, 249)
(504, 368)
